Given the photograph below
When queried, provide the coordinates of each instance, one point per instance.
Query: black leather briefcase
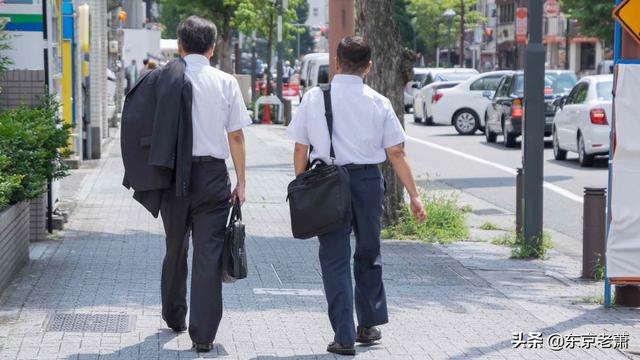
(234, 256)
(320, 198)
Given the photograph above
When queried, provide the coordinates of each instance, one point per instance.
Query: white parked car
(581, 123)
(465, 106)
(313, 66)
(413, 86)
(423, 97)
(427, 96)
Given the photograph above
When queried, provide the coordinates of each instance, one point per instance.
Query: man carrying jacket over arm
(366, 132)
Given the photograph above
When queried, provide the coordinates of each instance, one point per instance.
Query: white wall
(26, 50)
(321, 15)
(138, 43)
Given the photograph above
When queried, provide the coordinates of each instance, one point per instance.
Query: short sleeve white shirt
(364, 123)
(217, 109)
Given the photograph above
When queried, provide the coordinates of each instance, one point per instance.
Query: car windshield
(454, 76)
(605, 90)
(561, 83)
(419, 78)
(446, 85)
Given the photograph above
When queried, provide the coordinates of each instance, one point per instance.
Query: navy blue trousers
(367, 192)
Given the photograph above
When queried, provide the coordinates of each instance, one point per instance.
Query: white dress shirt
(364, 123)
(218, 107)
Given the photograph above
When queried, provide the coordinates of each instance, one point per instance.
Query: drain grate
(488, 211)
(92, 323)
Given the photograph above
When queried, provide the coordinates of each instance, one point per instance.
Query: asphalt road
(487, 171)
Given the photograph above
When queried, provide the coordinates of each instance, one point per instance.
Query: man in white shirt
(218, 116)
(366, 132)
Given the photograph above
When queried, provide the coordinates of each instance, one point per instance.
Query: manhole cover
(92, 323)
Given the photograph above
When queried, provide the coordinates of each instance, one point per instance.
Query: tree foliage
(594, 17)
(431, 27)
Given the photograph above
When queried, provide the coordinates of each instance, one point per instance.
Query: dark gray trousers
(367, 193)
(203, 215)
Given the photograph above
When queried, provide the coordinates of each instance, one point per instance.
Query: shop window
(587, 56)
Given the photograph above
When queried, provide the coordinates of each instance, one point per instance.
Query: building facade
(565, 47)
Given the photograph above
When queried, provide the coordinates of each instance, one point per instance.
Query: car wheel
(509, 138)
(428, 120)
(584, 159)
(465, 122)
(416, 118)
(558, 153)
(489, 135)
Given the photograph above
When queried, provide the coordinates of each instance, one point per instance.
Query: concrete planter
(14, 241)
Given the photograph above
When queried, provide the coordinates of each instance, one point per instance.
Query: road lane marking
(547, 185)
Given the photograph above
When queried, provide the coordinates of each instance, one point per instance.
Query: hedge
(33, 143)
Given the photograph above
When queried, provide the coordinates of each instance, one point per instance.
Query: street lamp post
(448, 15)
(280, 48)
(533, 137)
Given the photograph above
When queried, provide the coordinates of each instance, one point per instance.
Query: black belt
(205, 159)
(360, 166)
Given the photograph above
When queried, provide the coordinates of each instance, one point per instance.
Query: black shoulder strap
(328, 113)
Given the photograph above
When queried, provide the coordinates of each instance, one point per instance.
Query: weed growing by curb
(519, 250)
(489, 226)
(445, 222)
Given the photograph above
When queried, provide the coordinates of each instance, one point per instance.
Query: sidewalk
(95, 294)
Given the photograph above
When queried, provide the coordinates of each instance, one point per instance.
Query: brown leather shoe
(368, 335)
(340, 349)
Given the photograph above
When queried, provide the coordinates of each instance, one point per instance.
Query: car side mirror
(559, 102)
(415, 86)
(488, 94)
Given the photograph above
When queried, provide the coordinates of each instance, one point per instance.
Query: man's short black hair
(196, 35)
(354, 54)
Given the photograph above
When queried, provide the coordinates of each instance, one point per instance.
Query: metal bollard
(593, 230)
(287, 111)
(519, 203)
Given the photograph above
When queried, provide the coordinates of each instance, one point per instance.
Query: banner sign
(521, 25)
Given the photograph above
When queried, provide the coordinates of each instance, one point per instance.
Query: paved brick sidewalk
(95, 294)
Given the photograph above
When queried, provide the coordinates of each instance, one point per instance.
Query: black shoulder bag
(234, 256)
(320, 198)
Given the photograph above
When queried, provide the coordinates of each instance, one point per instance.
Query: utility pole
(341, 24)
(533, 128)
(462, 64)
(279, 49)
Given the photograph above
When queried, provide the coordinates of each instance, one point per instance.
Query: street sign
(521, 25)
(551, 8)
(627, 15)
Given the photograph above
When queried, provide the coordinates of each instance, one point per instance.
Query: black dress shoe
(368, 335)
(340, 349)
(203, 347)
(179, 328)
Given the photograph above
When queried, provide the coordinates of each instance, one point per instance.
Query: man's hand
(238, 193)
(236, 146)
(417, 209)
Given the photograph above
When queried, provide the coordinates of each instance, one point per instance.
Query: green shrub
(489, 226)
(31, 150)
(445, 222)
(519, 250)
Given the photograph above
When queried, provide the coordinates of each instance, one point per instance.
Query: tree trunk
(224, 46)
(392, 69)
